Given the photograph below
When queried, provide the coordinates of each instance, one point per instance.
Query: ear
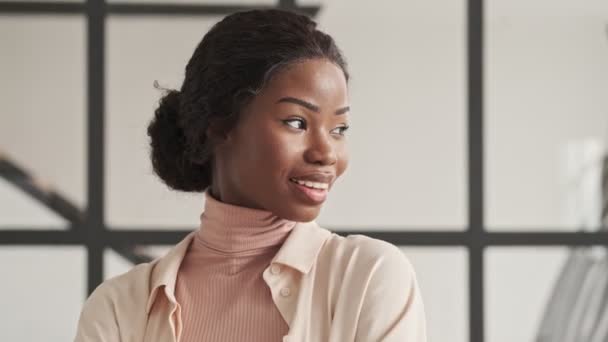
(217, 134)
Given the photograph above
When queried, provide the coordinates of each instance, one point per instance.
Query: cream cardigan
(341, 289)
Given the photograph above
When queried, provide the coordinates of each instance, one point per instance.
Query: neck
(235, 229)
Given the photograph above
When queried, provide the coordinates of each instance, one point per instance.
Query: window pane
(446, 307)
(42, 128)
(18, 210)
(548, 293)
(546, 105)
(395, 92)
(408, 128)
(44, 286)
(140, 51)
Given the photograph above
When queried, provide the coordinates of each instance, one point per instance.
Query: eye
(343, 129)
(302, 123)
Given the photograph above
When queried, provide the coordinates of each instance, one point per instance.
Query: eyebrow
(309, 105)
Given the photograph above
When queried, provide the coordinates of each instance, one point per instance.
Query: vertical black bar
(94, 267)
(475, 115)
(95, 172)
(476, 293)
(476, 167)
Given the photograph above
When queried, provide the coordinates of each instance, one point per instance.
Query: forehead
(319, 80)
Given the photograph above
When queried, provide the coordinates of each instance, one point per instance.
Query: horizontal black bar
(41, 237)
(545, 239)
(117, 238)
(337, 229)
(132, 254)
(24, 7)
(415, 238)
(139, 9)
(187, 9)
(484, 239)
(145, 237)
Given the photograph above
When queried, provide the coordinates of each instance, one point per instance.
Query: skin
(275, 140)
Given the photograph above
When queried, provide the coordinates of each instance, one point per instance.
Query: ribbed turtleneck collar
(240, 230)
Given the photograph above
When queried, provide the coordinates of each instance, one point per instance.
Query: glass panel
(419, 71)
(18, 210)
(547, 128)
(135, 197)
(547, 293)
(42, 291)
(446, 306)
(42, 128)
(408, 128)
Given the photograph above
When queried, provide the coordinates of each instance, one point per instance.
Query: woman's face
(293, 128)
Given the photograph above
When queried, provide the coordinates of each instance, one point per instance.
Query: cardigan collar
(299, 251)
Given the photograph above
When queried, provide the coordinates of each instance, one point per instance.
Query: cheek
(343, 159)
(270, 152)
(281, 152)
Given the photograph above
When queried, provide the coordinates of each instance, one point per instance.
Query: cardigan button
(275, 269)
(285, 292)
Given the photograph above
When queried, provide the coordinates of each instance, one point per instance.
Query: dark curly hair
(233, 61)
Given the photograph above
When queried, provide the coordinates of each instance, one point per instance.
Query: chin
(300, 214)
(293, 209)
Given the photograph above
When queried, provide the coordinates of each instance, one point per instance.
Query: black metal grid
(92, 232)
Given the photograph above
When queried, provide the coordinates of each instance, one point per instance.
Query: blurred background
(479, 136)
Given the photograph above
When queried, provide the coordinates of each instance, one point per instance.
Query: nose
(321, 149)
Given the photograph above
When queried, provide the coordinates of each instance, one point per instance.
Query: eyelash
(344, 128)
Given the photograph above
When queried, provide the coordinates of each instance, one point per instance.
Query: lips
(310, 195)
(319, 177)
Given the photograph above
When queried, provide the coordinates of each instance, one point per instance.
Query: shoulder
(135, 285)
(373, 287)
(364, 264)
(132, 285)
(118, 299)
(375, 254)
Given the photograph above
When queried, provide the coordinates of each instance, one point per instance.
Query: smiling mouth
(311, 191)
(311, 184)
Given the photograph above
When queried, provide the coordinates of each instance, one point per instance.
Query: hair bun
(168, 148)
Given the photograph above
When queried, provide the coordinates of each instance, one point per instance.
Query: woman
(259, 126)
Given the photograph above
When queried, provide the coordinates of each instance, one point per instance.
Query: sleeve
(392, 308)
(97, 322)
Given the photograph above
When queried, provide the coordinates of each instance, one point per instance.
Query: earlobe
(211, 134)
(217, 135)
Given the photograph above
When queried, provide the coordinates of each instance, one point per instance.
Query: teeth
(314, 185)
